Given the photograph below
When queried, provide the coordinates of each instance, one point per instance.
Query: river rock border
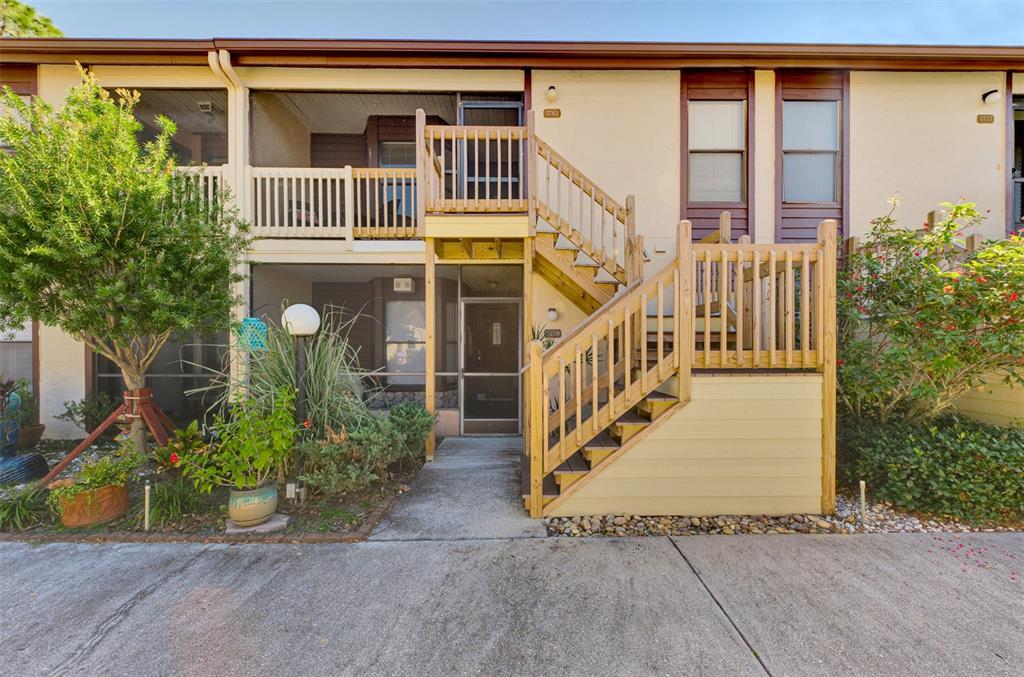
(881, 518)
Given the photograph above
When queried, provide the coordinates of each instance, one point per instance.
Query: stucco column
(764, 156)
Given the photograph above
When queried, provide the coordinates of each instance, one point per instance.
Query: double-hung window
(716, 136)
(810, 151)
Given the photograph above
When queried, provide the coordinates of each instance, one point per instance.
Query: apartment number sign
(552, 112)
(986, 119)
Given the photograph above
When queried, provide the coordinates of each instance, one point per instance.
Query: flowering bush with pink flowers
(921, 321)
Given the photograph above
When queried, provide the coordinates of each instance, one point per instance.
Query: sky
(953, 22)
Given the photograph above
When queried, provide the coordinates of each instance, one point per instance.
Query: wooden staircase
(604, 387)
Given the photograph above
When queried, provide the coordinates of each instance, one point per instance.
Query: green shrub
(249, 447)
(922, 322)
(113, 469)
(413, 423)
(356, 459)
(21, 508)
(89, 412)
(171, 500)
(951, 466)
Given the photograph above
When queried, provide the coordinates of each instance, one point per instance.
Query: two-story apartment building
(458, 199)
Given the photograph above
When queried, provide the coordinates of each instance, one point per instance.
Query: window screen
(810, 150)
(716, 135)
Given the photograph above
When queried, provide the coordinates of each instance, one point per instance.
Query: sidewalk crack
(722, 608)
(111, 622)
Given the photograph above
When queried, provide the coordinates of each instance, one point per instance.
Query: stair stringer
(581, 290)
(552, 508)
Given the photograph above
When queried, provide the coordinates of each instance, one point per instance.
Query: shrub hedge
(952, 466)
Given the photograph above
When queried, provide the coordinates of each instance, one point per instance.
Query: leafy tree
(921, 322)
(101, 238)
(18, 20)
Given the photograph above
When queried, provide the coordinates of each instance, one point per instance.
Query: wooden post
(421, 172)
(629, 244)
(527, 330)
(528, 173)
(350, 206)
(827, 239)
(725, 228)
(536, 397)
(431, 313)
(683, 338)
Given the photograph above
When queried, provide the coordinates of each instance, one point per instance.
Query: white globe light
(300, 320)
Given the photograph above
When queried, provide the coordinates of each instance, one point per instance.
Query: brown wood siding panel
(798, 222)
(22, 79)
(337, 150)
(717, 85)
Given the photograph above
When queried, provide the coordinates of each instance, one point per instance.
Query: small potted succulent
(99, 493)
(31, 432)
(249, 446)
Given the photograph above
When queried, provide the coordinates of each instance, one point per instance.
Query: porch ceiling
(346, 112)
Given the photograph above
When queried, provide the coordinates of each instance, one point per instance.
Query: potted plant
(10, 423)
(31, 432)
(99, 493)
(249, 446)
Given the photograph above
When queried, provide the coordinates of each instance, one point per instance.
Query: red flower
(840, 363)
(950, 327)
(981, 279)
(948, 289)
(1012, 296)
(920, 324)
(174, 458)
(306, 424)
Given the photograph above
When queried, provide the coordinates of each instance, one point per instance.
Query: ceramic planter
(96, 506)
(30, 436)
(250, 507)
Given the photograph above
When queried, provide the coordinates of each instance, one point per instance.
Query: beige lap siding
(743, 445)
(998, 404)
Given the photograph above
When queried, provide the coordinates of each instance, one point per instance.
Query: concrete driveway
(784, 605)
(436, 596)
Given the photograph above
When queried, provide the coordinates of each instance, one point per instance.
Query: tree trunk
(134, 381)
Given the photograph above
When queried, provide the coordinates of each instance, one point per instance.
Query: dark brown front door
(490, 367)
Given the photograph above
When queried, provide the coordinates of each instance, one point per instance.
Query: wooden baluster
(755, 315)
(790, 300)
(594, 383)
(773, 293)
(642, 320)
(707, 308)
(546, 409)
(627, 352)
(677, 337)
(723, 309)
(578, 391)
(819, 300)
(465, 168)
(509, 165)
(611, 370)
(737, 291)
(661, 329)
(561, 405)
(487, 165)
(805, 326)
(497, 164)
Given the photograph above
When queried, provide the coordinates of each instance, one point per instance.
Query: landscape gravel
(881, 518)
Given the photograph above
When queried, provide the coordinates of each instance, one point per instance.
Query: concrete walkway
(782, 605)
(458, 581)
(470, 490)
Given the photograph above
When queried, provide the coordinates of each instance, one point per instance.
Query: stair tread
(661, 397)
(549, 490)
(632, 418)
(602, 441)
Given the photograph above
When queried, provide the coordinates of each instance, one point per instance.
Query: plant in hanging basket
(99, 493)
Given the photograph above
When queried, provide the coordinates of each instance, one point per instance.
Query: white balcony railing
(365, 203)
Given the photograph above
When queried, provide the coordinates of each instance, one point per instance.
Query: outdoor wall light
(992, 96)
(300, 320)
(552, 94)
(553, 314)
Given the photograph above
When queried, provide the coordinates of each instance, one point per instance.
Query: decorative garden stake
(863, 503)
(145, 506)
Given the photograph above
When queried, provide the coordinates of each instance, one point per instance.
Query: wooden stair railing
(604, 368)
(482, 169)
(595, 393)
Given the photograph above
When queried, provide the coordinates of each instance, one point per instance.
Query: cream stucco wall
(61, 379)
(621, 128)
(916, 134)
(546, 296)
(279, 139)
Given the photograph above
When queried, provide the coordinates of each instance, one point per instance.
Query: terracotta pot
(250, 507)
(94, 507)
(30, 435)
